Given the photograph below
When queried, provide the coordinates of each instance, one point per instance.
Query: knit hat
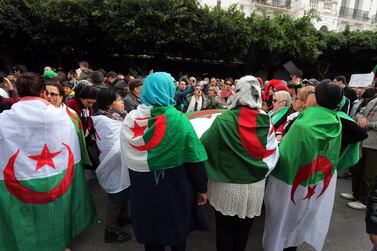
(48, 73)
(328, 94)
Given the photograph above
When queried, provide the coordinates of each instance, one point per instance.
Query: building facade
(335, 15)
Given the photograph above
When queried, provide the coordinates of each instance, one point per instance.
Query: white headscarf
(247, 93)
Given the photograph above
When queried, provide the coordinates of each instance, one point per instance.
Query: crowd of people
(275, 142)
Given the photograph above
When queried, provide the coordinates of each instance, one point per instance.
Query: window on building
(327, 5)
(314, 3)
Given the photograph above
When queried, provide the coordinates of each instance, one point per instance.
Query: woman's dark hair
(97, 77)
(30, 84)
(72, 72)
(84, 90)
(57, 85)
(112, 74)
(185, 79)
(20, 67)
(341, 78)
(102, 71)
(105, 98)
(67, 83)
(369, 93)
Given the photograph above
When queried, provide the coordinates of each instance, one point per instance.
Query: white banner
(361, 80)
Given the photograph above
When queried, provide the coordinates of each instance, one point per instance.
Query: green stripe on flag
(43, 184)
(45, 227)
(228, 160)
(179, 143)
(315, 133)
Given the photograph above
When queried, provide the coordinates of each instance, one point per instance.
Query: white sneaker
(356, 205)
(347, 196)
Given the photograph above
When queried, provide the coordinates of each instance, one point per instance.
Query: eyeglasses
(52, 94)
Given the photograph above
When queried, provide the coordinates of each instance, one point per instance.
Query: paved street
(347, 229)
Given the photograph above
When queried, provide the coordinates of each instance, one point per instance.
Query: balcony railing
(354, 14)
(275, 3)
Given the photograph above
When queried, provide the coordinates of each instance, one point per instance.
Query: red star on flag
(138, 130)
(45, 158)
(311, 192)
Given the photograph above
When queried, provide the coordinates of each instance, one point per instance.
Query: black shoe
(116, 236)
(124, 221)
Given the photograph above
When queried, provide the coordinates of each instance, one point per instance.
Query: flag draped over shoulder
(85, 159)
(44, 198)
(350, 154)
(112, 175)
(300, 193)
(241, 146)
(158, 138)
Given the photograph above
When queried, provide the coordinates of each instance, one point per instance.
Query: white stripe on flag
(288, 224)
(28, 126)
(132, 158)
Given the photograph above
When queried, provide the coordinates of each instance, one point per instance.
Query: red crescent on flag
(203, 113)
(247, 128)
(29, 196)
(320, 164)
(158, 134)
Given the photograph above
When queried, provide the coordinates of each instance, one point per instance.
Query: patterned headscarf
(158, 90)
(247, 93)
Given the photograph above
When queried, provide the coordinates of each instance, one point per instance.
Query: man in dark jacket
(371, 215)
(132, 100)
(349, 93)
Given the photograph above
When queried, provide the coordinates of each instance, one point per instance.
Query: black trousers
(232, 232)
(157, 247)
(363, 174)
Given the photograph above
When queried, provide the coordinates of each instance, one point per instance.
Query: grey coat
(370, 112)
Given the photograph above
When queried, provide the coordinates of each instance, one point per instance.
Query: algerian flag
(241, 146)
(350, 154)
(158, 138)
(300, 192)
(202, 120)
(112, 175)
(44, 198)
(85, 159)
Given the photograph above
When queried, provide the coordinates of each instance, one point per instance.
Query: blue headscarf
(158, 90)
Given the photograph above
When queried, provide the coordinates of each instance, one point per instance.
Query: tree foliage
(174, 28)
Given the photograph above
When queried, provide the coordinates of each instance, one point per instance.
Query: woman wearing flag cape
(242, 150)
(111, 174)
(166, 166)
(300, 192)
(44, 197)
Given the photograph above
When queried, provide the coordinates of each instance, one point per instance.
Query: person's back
(166, 167)
(300, 193)
(41, 148)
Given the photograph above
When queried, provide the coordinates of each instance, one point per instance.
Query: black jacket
(371, 215)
